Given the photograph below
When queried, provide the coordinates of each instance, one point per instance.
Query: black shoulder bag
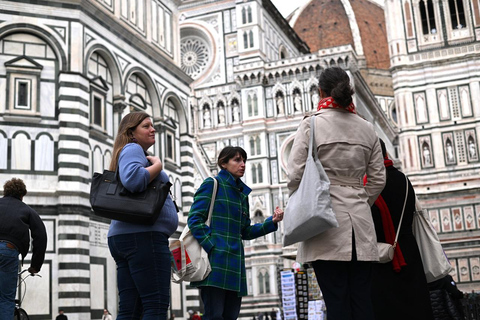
(110, 199)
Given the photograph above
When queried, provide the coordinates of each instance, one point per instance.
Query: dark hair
(230, 152)
(127, 125)
(14, 188)
(384, 149)
(336, 84)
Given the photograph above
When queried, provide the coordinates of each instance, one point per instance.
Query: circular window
(195, 54)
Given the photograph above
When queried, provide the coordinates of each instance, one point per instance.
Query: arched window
(252, 145)
(138, 95)
(251, 39)
(244, 15)
(261, 284)
(249, 106)
(260, 173)
(258, 145)
(245, 40)
(249, 12)
(254, 174)
(394, 113)
(457, 14)
(172, 131)
(427, 16)
(263, 281)
(255, 105)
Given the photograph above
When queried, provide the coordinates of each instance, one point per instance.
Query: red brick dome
(330, 23)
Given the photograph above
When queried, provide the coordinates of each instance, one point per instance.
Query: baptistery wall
(69, 71)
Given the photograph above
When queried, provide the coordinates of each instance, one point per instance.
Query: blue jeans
(143, 274)
(220, 304)
(8, 280)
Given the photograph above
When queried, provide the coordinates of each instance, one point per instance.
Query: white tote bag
(190, 259)
(309, 209)
(435, 262)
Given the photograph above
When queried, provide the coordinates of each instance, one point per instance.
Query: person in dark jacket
(17, 222)
(446, 299)
(399, 287)
(61, 315)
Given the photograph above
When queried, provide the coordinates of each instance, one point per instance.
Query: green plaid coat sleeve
(229, 226)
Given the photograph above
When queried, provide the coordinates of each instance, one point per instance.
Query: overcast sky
(287, 6)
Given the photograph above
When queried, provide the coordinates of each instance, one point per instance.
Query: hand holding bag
(191, 260)
(435, 262)
(309, 209)
(386, 251)
(110, 199)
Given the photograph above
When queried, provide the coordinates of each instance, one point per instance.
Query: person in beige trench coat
(348, 148)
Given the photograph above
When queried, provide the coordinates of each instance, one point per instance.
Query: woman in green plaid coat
(224, 287)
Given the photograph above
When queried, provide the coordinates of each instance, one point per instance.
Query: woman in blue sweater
(141, 251)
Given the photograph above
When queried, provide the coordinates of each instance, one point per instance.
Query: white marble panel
(3, 94)
(44, 154)
(176, 296)
(47, 99)
(37, 294)
(21, 152)
(3, 152)
(35, 50)
(97, 286)
(13, 48)
(48, 72)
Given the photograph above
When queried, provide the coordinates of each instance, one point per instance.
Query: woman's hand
(155, 168)
(277, 215)
(155, 161)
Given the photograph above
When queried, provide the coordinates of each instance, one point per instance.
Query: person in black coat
(17, 222)
(399, 287)
(446, 299)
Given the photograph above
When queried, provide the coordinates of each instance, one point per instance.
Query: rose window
(195, 55)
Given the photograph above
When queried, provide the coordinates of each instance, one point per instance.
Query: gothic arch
(112, 65)
(180, 109)
(151, 88)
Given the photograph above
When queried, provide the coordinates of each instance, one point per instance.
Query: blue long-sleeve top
(135, 178)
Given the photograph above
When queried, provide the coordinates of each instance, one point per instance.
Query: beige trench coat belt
(346, 181)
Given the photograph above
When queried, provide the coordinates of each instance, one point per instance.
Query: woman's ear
(322, 93)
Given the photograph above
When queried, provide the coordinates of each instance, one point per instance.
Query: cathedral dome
(331, 23)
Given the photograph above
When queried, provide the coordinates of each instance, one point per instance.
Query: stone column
(73, 246)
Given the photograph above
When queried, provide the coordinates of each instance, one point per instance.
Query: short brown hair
(230, 152)
(14, 188)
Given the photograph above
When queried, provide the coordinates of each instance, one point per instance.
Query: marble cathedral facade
(69, 70)
(211, 74)
(435, 56)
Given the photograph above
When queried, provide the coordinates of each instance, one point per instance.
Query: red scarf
(398, 261)
(328, 102)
